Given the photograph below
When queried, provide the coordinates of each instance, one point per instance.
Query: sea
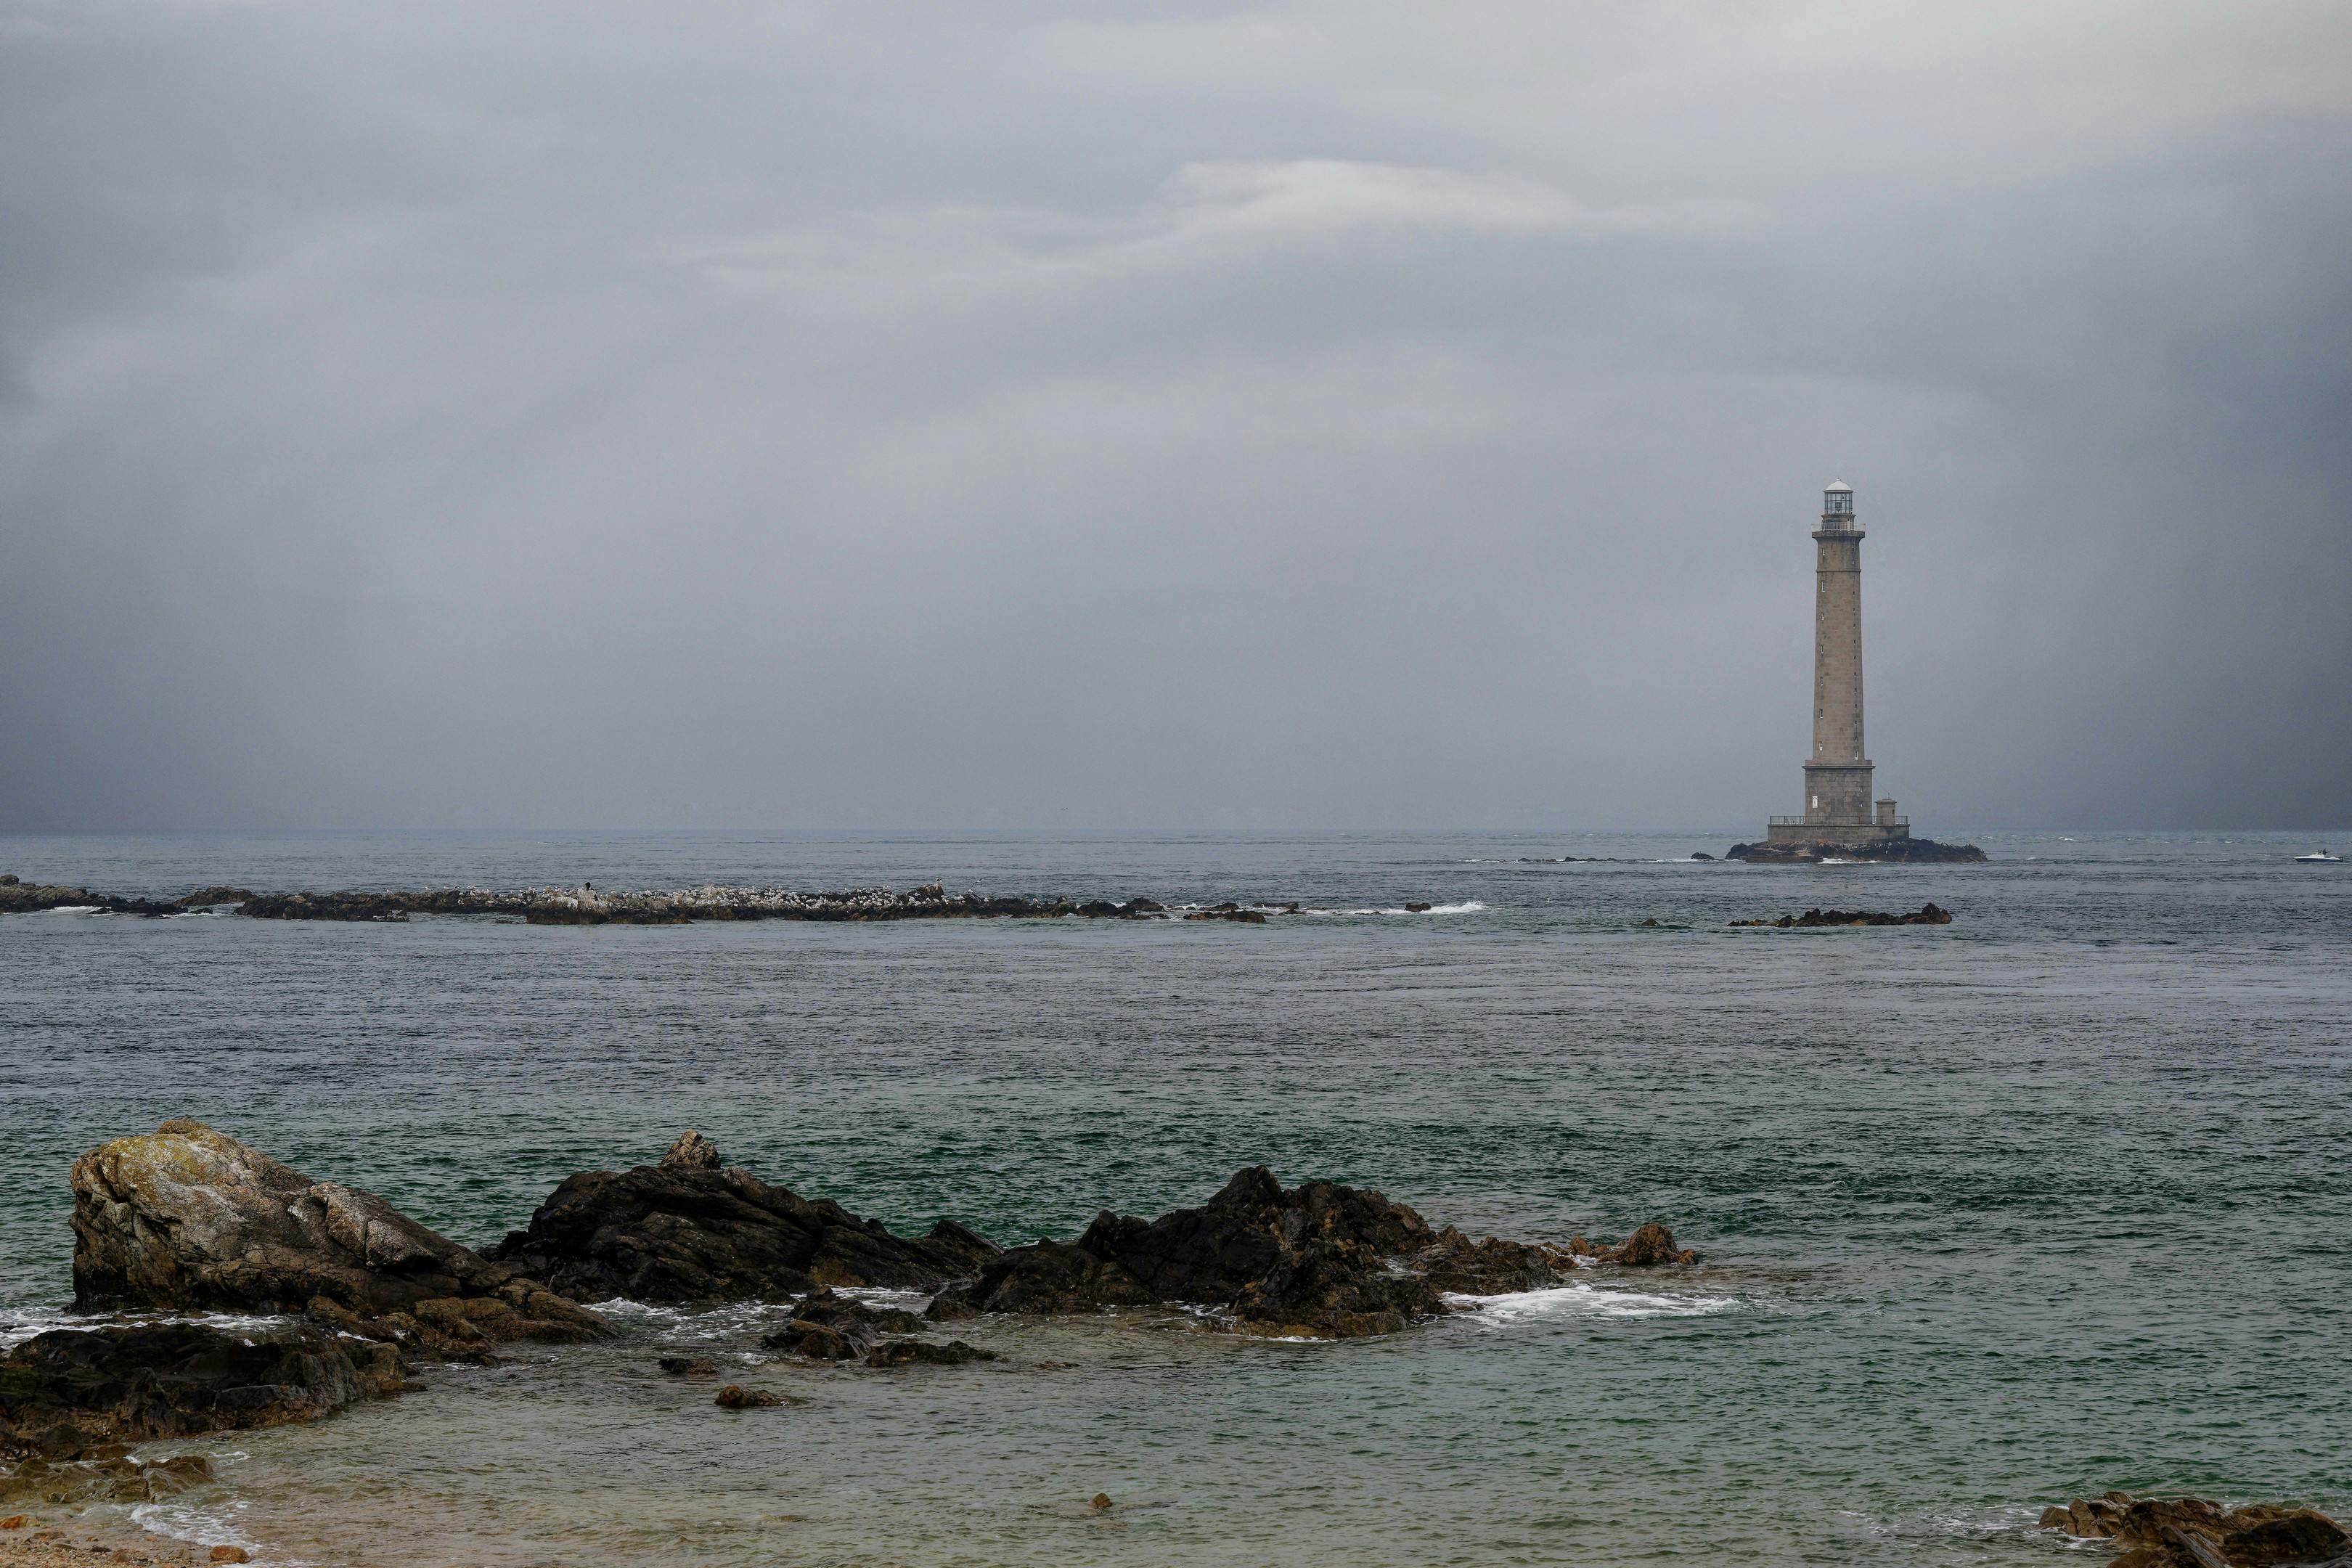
(2053, 1199)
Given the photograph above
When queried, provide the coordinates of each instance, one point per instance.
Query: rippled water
(2051, 1200)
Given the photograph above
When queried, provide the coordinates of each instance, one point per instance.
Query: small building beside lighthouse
(1840, 811)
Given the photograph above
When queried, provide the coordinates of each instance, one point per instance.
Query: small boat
(2321, 858)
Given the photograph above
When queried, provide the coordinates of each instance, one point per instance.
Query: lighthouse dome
(1838, 487)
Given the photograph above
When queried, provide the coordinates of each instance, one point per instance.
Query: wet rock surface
(1928, 914)
(694, 1229)
(105, 1474)
(18, 897)
(189, 1219)
(70, 1391)
(2196, 1532)
(1320, 1260)
(828, 1326)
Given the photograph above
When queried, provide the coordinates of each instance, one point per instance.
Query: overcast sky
(789, 415)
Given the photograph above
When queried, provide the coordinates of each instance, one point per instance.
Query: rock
(212, 898)
(105, 1474)
(1228, 912)
(1416, 909)
(1653, 920)
(691, 1229)
(925, 1353)
(15, 1520)
(1102, 1502)
(1898, 851)
(190, 1218)
(1701, 855)
(1321, 1260)
(1650, 1245)
(1929, 914)
(231, 1554)
(688, 1366)
(735, 1396)
(692, 1152)
(826, 1326)
(27, 898)
(71, 1391)
(2195, 1532)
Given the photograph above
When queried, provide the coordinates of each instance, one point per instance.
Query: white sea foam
(74, 910)
(1582, 1300)
(1467, 907)
(206, 1524)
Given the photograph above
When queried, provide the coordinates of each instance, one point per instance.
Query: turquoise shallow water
(2051, 1200)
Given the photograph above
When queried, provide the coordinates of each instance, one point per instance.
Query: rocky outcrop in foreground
(1894, 851)
(693, 1229)
(70, 1391)
(189, 1219)
(1321, 1261)
(26, 897)
(2194, 1533)
(1926, 915)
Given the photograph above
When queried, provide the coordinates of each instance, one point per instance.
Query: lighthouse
(1839, 809)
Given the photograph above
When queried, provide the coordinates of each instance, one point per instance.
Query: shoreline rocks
(2196, 1532)
(1927, 914)
(1318, 1261)
(693, 1229)
(70, 1391)
(188, 1219)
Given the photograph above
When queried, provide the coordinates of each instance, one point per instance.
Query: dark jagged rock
(1927, 915)
(829, 1326)
(29, 898)
(925, 1353)
(2195, 1532)
(690, 1230)
(1894, 852)
(213, 897)
(1701, 855)
(326, 907)
(1240, 917)
(190, 1218)
(687, 1366)
(1320, 1260)
(68, 1391)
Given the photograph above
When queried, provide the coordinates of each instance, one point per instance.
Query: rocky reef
(827, 1326)
(2195, 1532)
(68, 1392)
(1894, 852)
(187, 1218)
(1928, 914)
(692, 1228)
(586, 905)
(1318, 1261)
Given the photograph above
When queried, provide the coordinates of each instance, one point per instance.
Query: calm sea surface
(2054, 1199)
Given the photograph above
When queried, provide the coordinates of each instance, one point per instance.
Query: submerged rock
(925, 1353)
(1320, 1260)
(692, 1229)
(72, 1390)
(735, 1396)
(106, 1474)
(2196, 1532)
(186, 1217)
(1928, 914)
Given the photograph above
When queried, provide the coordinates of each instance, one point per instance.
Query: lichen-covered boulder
(693, 1229)
(186, 1217)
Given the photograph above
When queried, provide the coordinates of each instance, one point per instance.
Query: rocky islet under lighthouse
(1841, 819)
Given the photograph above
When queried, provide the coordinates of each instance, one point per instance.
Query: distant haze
(995, 414)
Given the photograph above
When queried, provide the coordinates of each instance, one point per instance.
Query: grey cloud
(805, 415)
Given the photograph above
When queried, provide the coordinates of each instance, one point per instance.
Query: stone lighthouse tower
(1837, 805)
